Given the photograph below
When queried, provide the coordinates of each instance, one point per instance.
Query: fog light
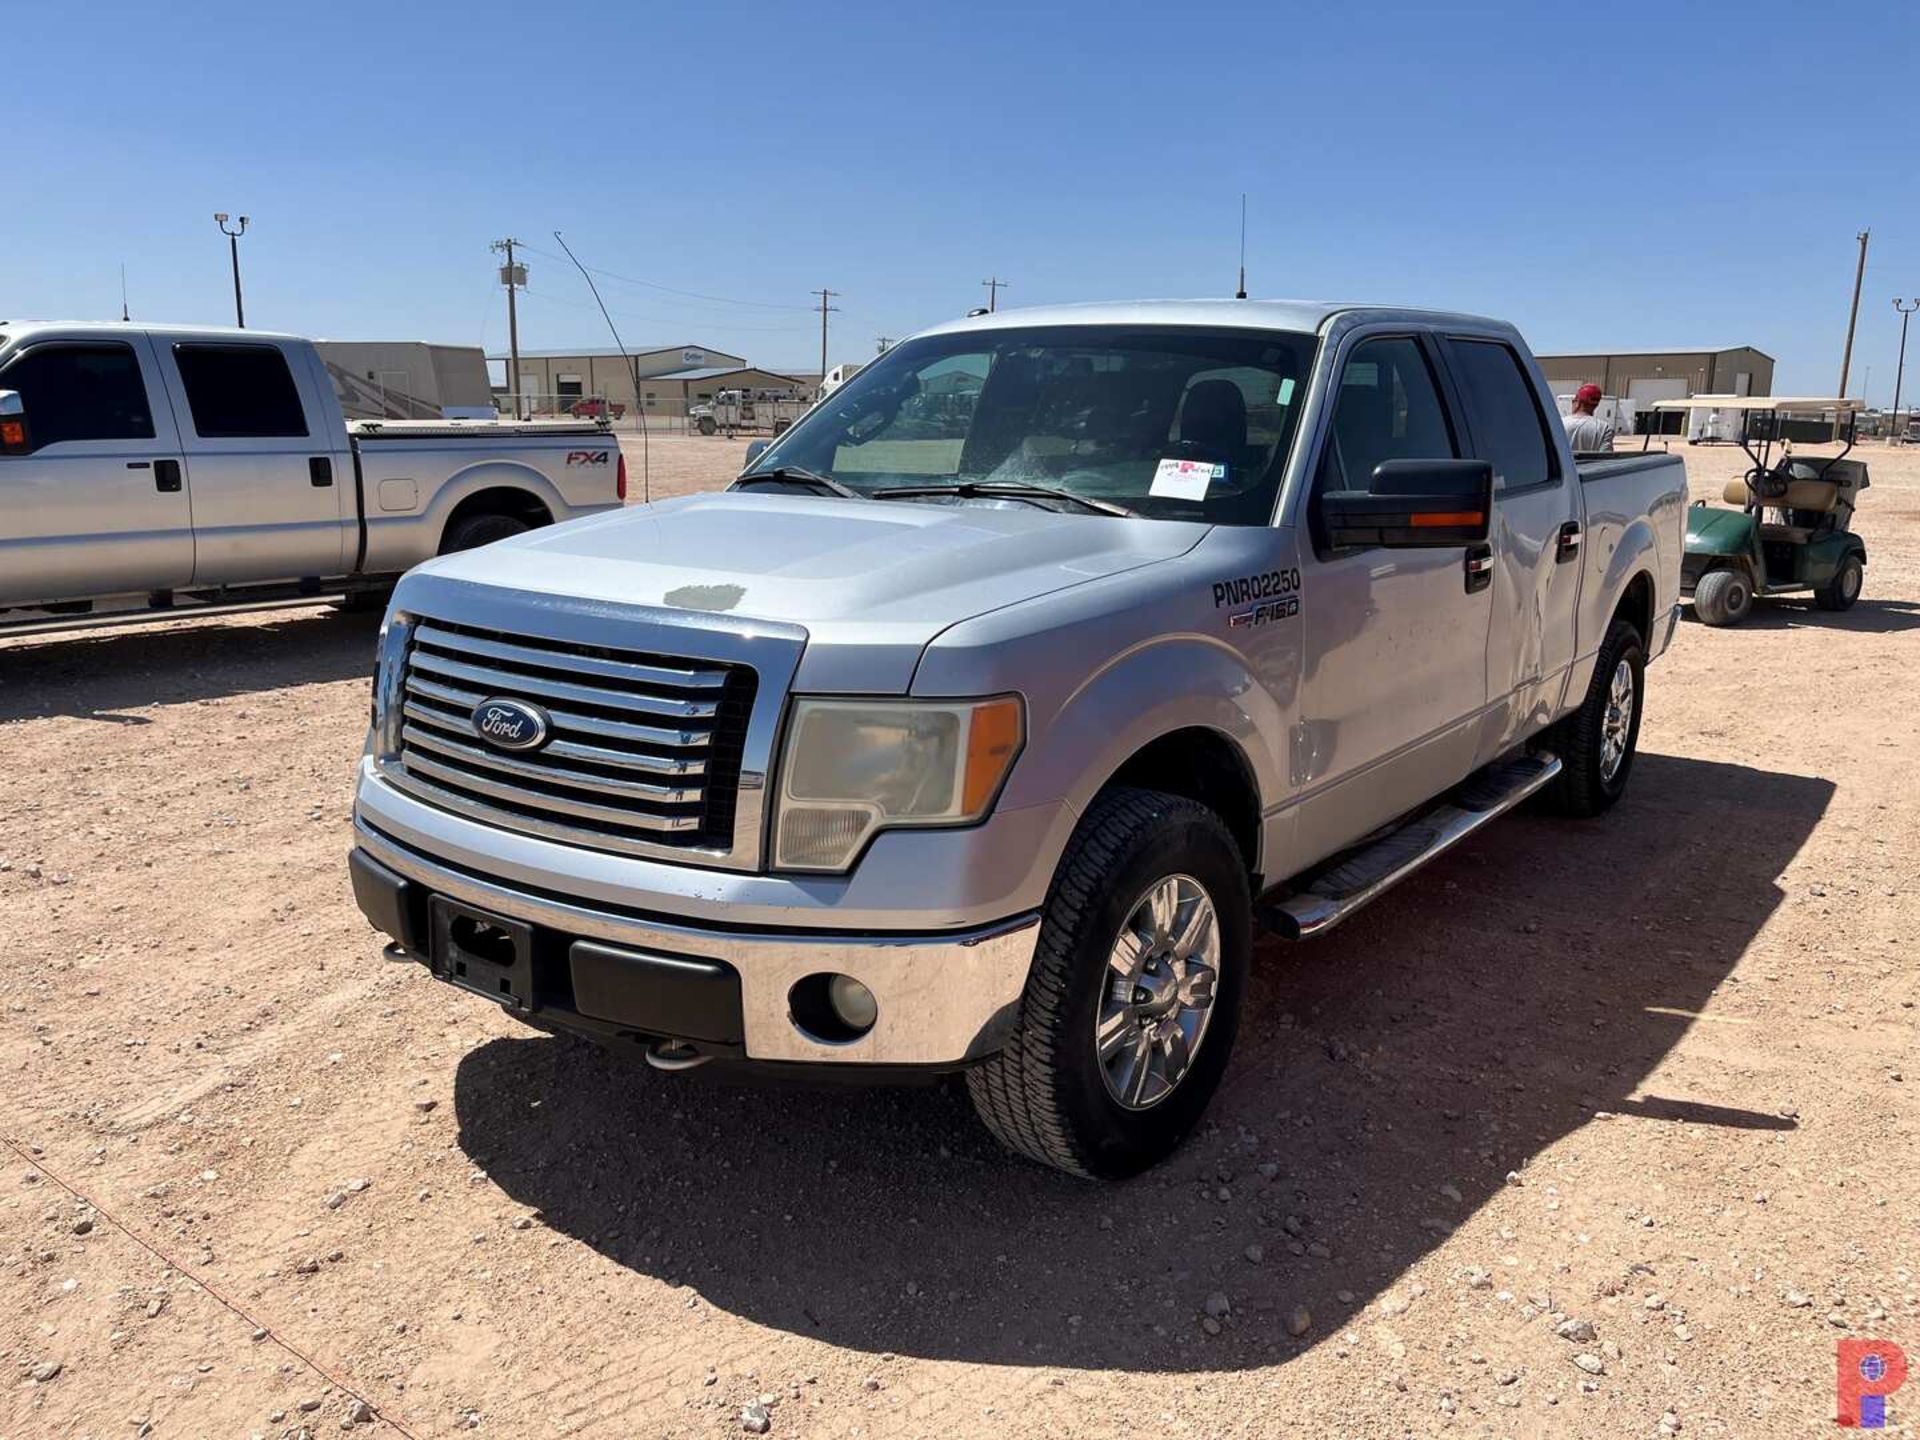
(832, 1009)
(852, 1002)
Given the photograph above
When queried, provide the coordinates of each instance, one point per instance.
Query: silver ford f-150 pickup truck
(983, 720)
(197, 463)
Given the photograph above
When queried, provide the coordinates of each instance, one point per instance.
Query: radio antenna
(1241, 293)
(124, 314)
(633, 364)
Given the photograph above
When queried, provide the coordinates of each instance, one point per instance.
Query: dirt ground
(1652, 1075)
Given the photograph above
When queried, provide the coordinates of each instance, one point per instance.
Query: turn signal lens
(993, 739)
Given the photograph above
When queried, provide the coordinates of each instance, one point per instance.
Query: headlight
(853, 767)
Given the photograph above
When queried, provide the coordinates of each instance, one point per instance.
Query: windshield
(1170, 423)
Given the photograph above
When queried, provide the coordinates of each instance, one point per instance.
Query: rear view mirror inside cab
(1413, 504)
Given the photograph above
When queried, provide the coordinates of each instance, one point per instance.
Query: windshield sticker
(1285, 397)
(1185, 479)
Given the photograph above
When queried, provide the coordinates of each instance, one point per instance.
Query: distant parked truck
(734, 411)
(149, 465)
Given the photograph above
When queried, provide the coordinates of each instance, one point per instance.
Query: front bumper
(943, 999)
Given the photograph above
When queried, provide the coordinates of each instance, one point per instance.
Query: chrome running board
(1337, 889)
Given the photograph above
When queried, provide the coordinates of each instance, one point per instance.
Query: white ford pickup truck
(209, 464)
(986, 717)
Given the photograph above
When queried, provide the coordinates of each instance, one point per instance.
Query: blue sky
(1621, 176)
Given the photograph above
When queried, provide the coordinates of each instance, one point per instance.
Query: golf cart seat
(1818, 496)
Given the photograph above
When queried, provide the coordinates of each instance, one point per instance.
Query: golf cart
(1792, 531)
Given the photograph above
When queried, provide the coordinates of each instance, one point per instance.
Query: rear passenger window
(240, 391)
(80, 392)
(1508, 428)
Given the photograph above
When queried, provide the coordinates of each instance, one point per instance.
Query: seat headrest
(1214, 415)
(1818, 496)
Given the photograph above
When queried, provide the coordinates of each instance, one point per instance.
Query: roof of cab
(21, 329)
(1299, 316)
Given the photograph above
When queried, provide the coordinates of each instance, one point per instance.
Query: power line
(671, 290)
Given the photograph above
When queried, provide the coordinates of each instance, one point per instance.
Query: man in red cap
(1587, 433)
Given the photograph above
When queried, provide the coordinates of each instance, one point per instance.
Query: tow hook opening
(832, 1009)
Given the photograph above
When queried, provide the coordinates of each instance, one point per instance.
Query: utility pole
(1900, 372)
(233, 244)
(994, 286)
(825, 295)
(512, 276)
(882, 344)
(1859, 274)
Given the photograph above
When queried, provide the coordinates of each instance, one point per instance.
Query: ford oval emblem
(511, 724)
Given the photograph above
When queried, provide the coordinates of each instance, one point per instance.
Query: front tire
(1840, 592)
(1597, 743)
(1723, 597)
(1130, 1010)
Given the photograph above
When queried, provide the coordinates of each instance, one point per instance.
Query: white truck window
(1508, 428)
(240, 391)
(80, 392)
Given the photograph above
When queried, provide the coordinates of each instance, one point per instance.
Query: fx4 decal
(586, 457)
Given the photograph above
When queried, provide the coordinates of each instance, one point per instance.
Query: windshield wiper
(794, 475)
(1010, 489)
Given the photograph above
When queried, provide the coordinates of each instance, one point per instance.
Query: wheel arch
(499, 499)
(1205, 765)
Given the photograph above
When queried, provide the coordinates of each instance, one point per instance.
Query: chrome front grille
(644, 750)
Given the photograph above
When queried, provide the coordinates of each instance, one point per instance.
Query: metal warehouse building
(1649, 375)
(672, 377)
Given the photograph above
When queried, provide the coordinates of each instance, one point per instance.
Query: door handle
(166, 475)
(319, 471)
(1479, 566)
(1569, 544)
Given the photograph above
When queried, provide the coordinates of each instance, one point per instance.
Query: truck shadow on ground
(1867, 617)
(1442, 1038)
(101, 675)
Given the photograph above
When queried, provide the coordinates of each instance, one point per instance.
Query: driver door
(1394, 676)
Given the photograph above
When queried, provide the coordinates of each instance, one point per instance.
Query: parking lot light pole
(233, 245)
(1906, 313)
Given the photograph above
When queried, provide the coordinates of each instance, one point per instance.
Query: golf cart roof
(1760, 402)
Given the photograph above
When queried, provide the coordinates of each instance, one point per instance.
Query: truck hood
(870, 581)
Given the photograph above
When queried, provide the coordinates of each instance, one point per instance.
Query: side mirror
(13, 424)
(755, 449)
(1413, 504)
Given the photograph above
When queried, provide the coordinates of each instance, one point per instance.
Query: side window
(1508, 428)
(1388, 409)
(80, 392)
(240, 391)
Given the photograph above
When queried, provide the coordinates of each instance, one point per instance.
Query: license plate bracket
(477, 950)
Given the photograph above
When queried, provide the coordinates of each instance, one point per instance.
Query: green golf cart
(1793, 529)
